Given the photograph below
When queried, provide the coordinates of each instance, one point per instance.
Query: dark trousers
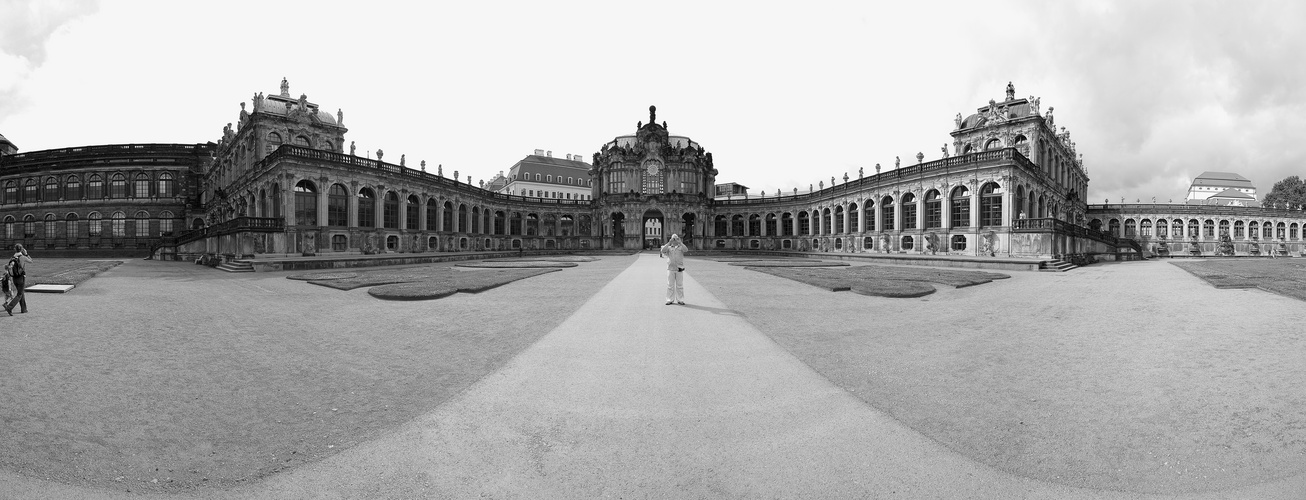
(20, 298)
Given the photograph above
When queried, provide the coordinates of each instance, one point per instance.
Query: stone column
(403, 210)
(322, 219)
(847, 222)
(421, 213)
(861, 217)
(351, 206)
(974, 208)
(897, 214)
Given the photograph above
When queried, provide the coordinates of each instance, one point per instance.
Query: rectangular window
(960, 212)
(142, 189)
(165, 227)
(95, 188)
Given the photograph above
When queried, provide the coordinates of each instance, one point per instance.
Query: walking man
(674, 251)
(18, 275)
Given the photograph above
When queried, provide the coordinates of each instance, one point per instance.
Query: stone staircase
(1055, 266)
(236, 266)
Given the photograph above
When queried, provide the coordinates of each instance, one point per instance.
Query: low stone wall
(999, 263)
(391, 259)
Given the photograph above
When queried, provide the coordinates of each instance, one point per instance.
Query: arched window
(447, 218)
(991, 204)
(305, 203)
(992, 144)
(537, 177)
(500, 223)
(29, 191)
(95, 187)
(1208, 229)
(1161, 228)
(838, 220)
(274, 142)
(142, 186)
(933, 209)
(1020, 203)
(165, 189)
(141, 224)
(960, 212)
(1114, 227)
(337, 205)
(1267, 230)
(302, 141)
(786, 224)
(329, 146)
(853, 215)
(719, 225)
(1177, 228)
(1192, 228)
(1145, 228)
(367, 208)
(9, 227)
(909, 211)
(432, 214)
(165, 223)
(1224, 229)
(886, 205)
(70, 222)
(95, 225)
(1292, 231)
(464, 225)
(412, 211)
(754, 225)
(72, 188)
(1130, 228)
(737, 225)
(276, 201)
(804, 224)
(390, 214)
(1020, 139)
(51, 189)
(50, 230)
(117, 186)
(1279, 230)
(118, 224)
(29, 226)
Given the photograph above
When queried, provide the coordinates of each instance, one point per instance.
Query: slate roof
(1223, 179)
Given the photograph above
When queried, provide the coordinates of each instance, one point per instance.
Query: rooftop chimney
(539, 152)
(548, 154)
(568, 156)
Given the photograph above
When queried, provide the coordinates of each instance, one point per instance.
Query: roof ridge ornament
(652, 114)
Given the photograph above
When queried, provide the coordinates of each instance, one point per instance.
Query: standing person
(674, 251)
(18, 275)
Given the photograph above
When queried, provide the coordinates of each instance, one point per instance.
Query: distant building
(1225, 188)
(540, 175)
(730, 190)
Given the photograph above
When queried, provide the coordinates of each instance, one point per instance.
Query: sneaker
(681, 302)
(668, 303)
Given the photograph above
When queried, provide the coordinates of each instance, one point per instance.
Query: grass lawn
(882, 281)
(1130, 377)
(168, 377)
(59, 271)
(1285, 277)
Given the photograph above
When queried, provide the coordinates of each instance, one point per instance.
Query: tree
(1290, 192)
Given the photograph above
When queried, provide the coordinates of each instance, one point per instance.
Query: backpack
(16, 268)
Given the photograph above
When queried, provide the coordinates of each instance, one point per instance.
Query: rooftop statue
(652, 114)
(352, 148)
(1011, 92)
(244, 115)
(340, 117)
(945, 150)
(423, 165)
(958, 119)
(285, 87)
(403, 158)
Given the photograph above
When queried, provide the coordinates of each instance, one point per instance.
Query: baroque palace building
(280, 182)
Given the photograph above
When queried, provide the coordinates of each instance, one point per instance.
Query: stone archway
(652, 225)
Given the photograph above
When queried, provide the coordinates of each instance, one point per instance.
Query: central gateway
(652, 184)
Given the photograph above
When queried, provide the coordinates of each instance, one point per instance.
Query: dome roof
(1018, 108)
(277, 105)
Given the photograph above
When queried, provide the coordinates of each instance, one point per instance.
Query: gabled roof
(1222, 179)
(1232, 193)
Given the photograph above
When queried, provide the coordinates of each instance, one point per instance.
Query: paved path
(633, 398)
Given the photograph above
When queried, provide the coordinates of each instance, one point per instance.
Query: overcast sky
(782, 94)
